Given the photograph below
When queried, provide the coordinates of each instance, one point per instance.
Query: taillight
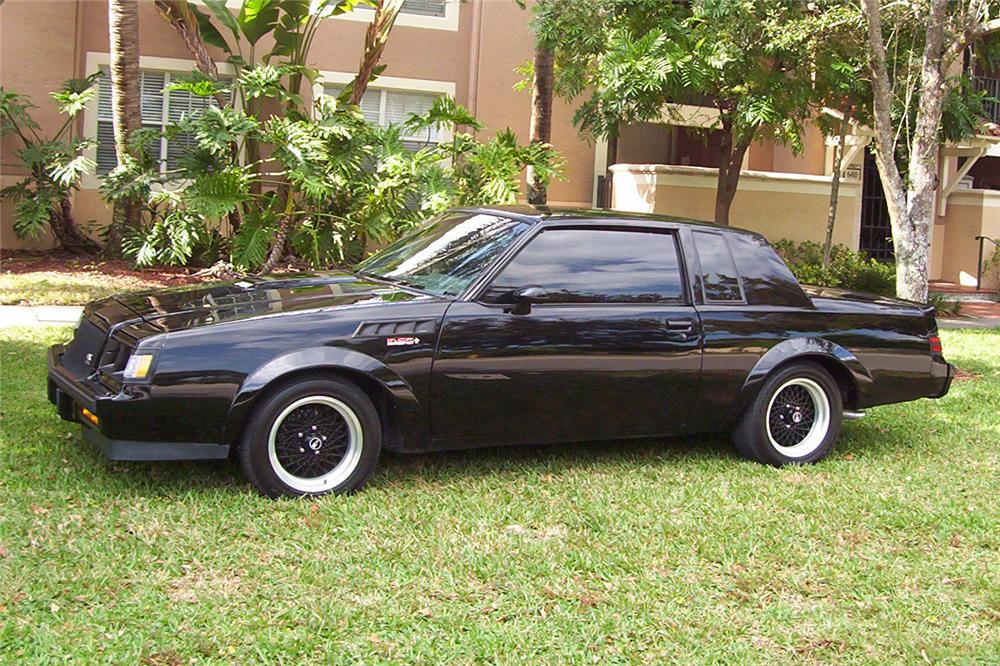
(935, 345)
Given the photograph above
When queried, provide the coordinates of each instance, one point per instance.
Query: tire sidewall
(763, 402)
(254, 452)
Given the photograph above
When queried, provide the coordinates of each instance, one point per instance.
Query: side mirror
(524, 297)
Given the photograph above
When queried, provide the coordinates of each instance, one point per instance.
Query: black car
(493, 326)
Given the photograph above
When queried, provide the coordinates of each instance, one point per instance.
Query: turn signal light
(89, 415)
(936, 345)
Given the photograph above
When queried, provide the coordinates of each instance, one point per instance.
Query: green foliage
(847, 269)
(945, 305)
(54, 164)
(337, 181)
(748, 59)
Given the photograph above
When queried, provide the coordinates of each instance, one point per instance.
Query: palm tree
(123, 26)
(540, 128)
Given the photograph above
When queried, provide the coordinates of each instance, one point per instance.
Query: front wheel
(311, 438)
(795, 418)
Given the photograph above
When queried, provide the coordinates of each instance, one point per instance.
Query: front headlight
(138, 367)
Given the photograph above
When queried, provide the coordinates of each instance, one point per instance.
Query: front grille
(92, 350)
(115, 355)
(81, 354)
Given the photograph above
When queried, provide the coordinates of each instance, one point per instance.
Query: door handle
(681, 329)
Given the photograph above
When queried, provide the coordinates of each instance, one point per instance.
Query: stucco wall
(969, 213)
(778, 205)
(42, 43)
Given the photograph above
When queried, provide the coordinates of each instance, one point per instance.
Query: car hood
(198, 305)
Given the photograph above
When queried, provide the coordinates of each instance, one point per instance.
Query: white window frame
(396, 83)
(96, 60)
(447, 22)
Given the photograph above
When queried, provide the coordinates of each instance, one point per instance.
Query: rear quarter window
(766, 279)
(720, 282)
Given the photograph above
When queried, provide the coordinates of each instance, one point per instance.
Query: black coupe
(486, 327)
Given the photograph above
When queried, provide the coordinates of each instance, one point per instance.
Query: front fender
(804, 349)
(409, 412)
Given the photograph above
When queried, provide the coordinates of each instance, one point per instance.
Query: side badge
(404, 341)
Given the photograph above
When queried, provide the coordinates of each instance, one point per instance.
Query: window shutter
(371, 103)
(104, 95)
(398, 108)
(151, 86)
(106, 157)
(424, 7)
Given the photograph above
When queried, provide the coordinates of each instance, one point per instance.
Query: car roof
(597, 215)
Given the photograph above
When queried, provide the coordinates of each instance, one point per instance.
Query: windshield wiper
(392, 280)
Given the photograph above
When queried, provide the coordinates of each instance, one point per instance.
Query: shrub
(847, 269)
(945, 305)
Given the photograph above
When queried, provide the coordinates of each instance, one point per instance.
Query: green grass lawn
(635, 552)
(56, 288)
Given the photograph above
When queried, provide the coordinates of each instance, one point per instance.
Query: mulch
(27, 261)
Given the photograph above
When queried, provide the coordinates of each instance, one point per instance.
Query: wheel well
(378, 394)
(837, 370)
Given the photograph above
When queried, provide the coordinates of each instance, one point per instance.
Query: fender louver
(375, 328)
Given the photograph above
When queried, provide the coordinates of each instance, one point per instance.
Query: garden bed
(54, 278)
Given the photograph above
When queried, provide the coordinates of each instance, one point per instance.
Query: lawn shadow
(553, 458)
(163, 479)
(173, 478)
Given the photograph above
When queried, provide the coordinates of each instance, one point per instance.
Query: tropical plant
(277, 73)
(334, 182)
(54, 165)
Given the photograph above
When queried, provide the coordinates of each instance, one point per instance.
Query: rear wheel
(795, 418)
(311, 438)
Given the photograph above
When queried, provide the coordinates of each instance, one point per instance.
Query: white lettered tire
(310, 438)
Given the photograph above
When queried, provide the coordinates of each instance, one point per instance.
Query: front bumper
(71, 394)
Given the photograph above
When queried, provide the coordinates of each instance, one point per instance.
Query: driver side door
(609, 346)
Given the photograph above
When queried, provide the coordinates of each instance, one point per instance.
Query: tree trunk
(375, 39)
(123, 24)
(67, 233)
(608, 195)
(186, 25)
(732, 151)
(277, 245)
(910, 203)
(540, 128)
(838, 168)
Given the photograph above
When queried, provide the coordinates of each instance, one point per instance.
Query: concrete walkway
(39, 315)
(969, 322)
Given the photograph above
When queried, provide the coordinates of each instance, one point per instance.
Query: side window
(766, 279)
(719, 279)
(595, 266)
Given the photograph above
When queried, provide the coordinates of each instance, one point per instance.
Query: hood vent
(369, 329)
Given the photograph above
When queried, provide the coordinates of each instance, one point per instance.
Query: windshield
(447, 253)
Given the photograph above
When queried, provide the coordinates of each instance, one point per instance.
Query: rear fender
(827, 353)
(409, 413)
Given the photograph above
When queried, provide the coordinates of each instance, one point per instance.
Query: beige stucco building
(470, 50)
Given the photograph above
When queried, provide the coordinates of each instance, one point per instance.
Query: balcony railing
(991, 86)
